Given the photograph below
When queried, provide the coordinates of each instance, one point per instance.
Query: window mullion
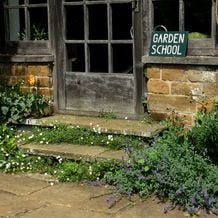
(110, 52)
(181, 15)
(86, 32)
(27, 22)
(213, 21)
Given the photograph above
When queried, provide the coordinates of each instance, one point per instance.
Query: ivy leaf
(4, 110)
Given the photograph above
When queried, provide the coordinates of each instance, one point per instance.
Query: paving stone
(20, 185)
(113, 154)
(69, 151)
(74, 200)
(117, 126)
(71, 195)
(55, 211)
(12, 205)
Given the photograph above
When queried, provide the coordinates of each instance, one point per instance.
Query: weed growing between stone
(78, 135)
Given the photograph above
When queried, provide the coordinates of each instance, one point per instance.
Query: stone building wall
(31, 76)
(184, 89)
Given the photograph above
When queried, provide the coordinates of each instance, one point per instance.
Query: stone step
(74, 152)
(115, 126)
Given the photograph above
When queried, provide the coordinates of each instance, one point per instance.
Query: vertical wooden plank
(138, 66)
(59, 50)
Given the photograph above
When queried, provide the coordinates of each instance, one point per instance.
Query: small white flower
(41, 142)
(40, 133)
(51, 183)
(126, 118)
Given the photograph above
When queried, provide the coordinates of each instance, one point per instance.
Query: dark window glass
(14, 2)
(75, 58)
(166, 13)
(98, 22)
(17, 29)
(74, 22)
(121, 21)
(38, 23)
(198, 18)
(37, 1)
(98, 56)
(122, 58)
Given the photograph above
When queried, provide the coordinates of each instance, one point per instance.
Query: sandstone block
(180, 88)
(210, 89)
(166, 103)
(158, 86)
(45, 91)
(174, 73)
(153, 72)
(44, 82)
(201, 76)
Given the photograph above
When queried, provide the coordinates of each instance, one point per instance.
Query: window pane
(98, 56)
(74, 22)
(38, 23)
(73, 0)
(166, 13)
(15, 2)
(75, 58)
(98, 21)
(122, 59)
(16, 24)
(121, 21)
(198, 18)
(37, 1)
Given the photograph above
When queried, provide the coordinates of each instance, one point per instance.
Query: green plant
(204, 136)
(80, 135)
(37, 33)
(107, 114)
(78, 171)
(172, 170)
(15, 106)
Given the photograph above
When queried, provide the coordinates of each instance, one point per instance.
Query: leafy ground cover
(180, 166)
(78, 135)
(15, 105)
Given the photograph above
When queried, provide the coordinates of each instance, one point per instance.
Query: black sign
(168, 44)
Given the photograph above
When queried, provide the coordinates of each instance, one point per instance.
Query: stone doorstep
(115, 126)
(74, 152)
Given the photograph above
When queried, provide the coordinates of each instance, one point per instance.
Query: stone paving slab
(72, 151)
(12, 205)
(55, 211)
(116, 126)
(18, 188)
(28, 197)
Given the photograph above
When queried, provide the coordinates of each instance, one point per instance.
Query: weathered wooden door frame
(59, 67)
